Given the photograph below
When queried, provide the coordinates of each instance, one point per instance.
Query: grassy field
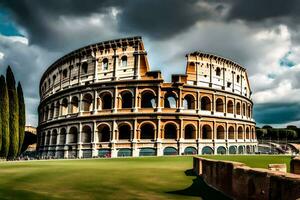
(124, 178)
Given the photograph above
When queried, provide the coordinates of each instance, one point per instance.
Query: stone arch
(205, 103)
(62, 136)
(232, 150)
(74, 104)
(220, 132)
(103, 131)
(189, 102)
(221, 150)
(206, 132)
(124, 131)
(87, 102)
(240, 133)
(106, 100)
(170, 100)
(147, 151)
(231, 133)
(126, 99)
(73, 134)
(219, 105)
(241, 150)
(253, 133)
(247, 133)
(54, 137)
(238, 108)
(170, 131)
(147, 131)
(64, 106)
(190, 151)
(148, 99)
(230, 106)
(189, 131)
(86, 134)
(57, 109)
(52, 111)
(207, 150)
(124, 152)
(244, 109)
(170, 151)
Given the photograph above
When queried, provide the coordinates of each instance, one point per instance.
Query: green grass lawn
(124, 178)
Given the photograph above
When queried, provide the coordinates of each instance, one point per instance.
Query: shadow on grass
(200, 189)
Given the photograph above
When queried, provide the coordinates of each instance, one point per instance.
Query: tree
(4, 112)
(22, 118)
(13, 114)
(2, 83)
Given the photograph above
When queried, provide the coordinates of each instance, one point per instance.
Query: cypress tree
(13, 114)
(22, 119)
(4, 105)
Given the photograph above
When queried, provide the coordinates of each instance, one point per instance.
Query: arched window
(106, 100)
(87, 102)
(247, 133)
(238, 108)
(230, 132)
(103, 133)
(126, 99)
(73, 134)
(206, 132)
(148, 100)
(86, 134)
(221, 150)
(220, 132)
(244, 109)
(207, 150)
(65, 73)
(240, 133)
(124, 61)
(170, 101)
(219, 105)
(124, 132)
(205, 103)
(74, 104)
(189, 102)
(54, 137)
(62, 136)
(189, 132)
(147, 131)
(105, 64)
(64, 104)
(230, 106)
(218, 71)
(170, 131)
(84, 67)
(237, 78)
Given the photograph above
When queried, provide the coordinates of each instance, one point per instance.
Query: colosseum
(102, 100)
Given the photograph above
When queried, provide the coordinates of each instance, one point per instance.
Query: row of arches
(146, 131)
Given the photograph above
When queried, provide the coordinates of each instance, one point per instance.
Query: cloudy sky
(262, 35)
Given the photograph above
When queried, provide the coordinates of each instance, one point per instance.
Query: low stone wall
(295, 165)
(239, 181)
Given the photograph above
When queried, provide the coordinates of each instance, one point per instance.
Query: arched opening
(207, 150)
(221, 150)
(74, 104)
(124, 61)
(73, 133)
(124, 152)
(103, 133)
(230, 106)
(241, 150)
(244, 109)
(87, 102)
(170, 151)
(57, 109)
(218, 71)
(170, 100)
(62, 136)
(48, 138)
(240, 133)
(253, 134)
(190, 151)
(86, 134)
(205, 103)
(106, 100)
(249, 111)
(147, 152)
(126, 99)
(65, 73)
(54, 137)
(248, 149)
(170, 131)
(105, 64)
(238, 108)
(247, 133)
(148, 100)
(232, 150)
(84, 67)
(220, 132)
(189, 132)
(147, 131)
(104, 153)
(52, 111)
(231, 132)
(206, 132)
(219, 105)
(64, 105)
(237, 78)
(188, 102)
(124, 132)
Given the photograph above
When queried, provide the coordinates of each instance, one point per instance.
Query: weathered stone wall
(295, 165)
(239, 181)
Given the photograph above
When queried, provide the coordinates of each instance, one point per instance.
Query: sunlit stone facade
(103, 100)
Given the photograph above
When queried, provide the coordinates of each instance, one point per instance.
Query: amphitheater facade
(102, 100)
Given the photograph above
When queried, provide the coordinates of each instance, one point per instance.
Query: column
(224, 80)
(210, 74)
(136, 55)
(79, 143)
(70, 70)
(80, 111)
(180, 99)
(213, 104)
(115, 75)
(115, 99)
(60, 72)
(225, 106)
(135, 152)
(159, 149)
(95, 102)
(158, 107)
(233, 72)
(198, 137)
(79, 73)
(136, 99)
(95, 69)
(113, 141)
(181, 139)
(94, 140)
